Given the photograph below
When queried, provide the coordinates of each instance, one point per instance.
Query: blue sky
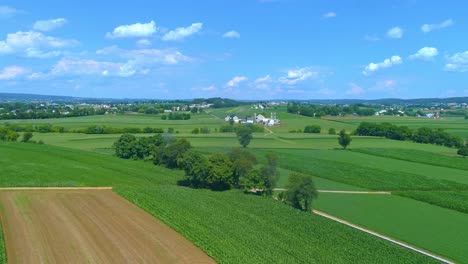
(249, 49)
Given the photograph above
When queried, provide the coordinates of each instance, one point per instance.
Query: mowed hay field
(87, 226)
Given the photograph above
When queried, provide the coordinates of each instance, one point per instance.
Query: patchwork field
(87, 227)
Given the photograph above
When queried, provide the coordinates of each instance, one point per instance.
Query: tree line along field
(268, 235)
(427, 173)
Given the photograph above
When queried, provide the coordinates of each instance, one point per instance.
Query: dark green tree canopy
(300, 191)
(244, 135)
(344, 139)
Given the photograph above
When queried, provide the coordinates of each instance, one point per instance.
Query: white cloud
(426, 28)
(329, 15)
(235, 81)
(263, 82)
(143, 43)
(295, 76)
(355, 89)
(146, 56)
(12, 72)
(458, 62)
(395, 32)
(231, 34)
(139, 30)
(426, 53)
(34, 44)
(182, 32)
(7, 11)
(91, 67)
(210, 88)
(48, 25)
(372, 67)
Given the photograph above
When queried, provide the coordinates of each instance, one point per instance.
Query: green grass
(366, 172)
(418, 156)
(230, 226)
(430, 227)
(236, 228)
(452, 200)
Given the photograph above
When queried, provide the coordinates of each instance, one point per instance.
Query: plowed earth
(87, 226)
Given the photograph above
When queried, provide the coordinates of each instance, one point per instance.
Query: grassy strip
(233, 227)
(457, 201)
(374, 178)
(418, 156)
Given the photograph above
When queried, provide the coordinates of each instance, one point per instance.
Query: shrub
(331, 131)
(312, 129)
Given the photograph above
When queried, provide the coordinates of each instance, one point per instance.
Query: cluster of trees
(20, 110)
(7, 134)
(420, 135)
(312, 129)
(300, 191)
(234, 127)
(331, 110)
(218, 102)
(176, 116)
(118, 130)
(203, 130)
(236, 169)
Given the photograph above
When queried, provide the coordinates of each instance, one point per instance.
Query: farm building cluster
(256, 119)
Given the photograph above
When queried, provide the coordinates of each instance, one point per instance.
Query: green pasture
(430, 227)
(455, 200)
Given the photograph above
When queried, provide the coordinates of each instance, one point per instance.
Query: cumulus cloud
(182, 32)
(235, 81)
(263, 82)
(231, 34)
(146, 56)
(329, 15)
(7, 11)
(426, 53)
(295, 76)
(90, 67)
(395, 33)
(139, 30)
(210, 88)
(458, 62)
(355, 89)
(372, 67)
(34, 44)
(143, 43)
(426, 28)
(12, 72)
(49, 25)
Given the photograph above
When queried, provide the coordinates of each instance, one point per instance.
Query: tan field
(87, 226)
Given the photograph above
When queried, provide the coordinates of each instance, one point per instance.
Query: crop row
(457, 201)
(233, 227)
(418, 156)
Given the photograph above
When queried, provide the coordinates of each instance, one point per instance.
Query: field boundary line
(399, 243)
(52, 188)
(344, 192)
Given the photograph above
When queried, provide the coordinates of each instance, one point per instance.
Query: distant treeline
(88, 130)
(234, 127)
(331, 110)
(420, 135)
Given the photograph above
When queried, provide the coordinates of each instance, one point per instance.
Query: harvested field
(87, 226)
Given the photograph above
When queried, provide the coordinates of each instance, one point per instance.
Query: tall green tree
(344, 139)
(125, 146)
(196, 168)
(244, 135)
(27, 136)
(220, 172)
(300, 191)
(242, 163)
(270, 173)
(168, 155)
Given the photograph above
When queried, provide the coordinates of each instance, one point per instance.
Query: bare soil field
(87, 226)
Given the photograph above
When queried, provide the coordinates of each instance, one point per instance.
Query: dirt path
(53, 188)
(348, 192)
(402, 244)
(87, 226)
